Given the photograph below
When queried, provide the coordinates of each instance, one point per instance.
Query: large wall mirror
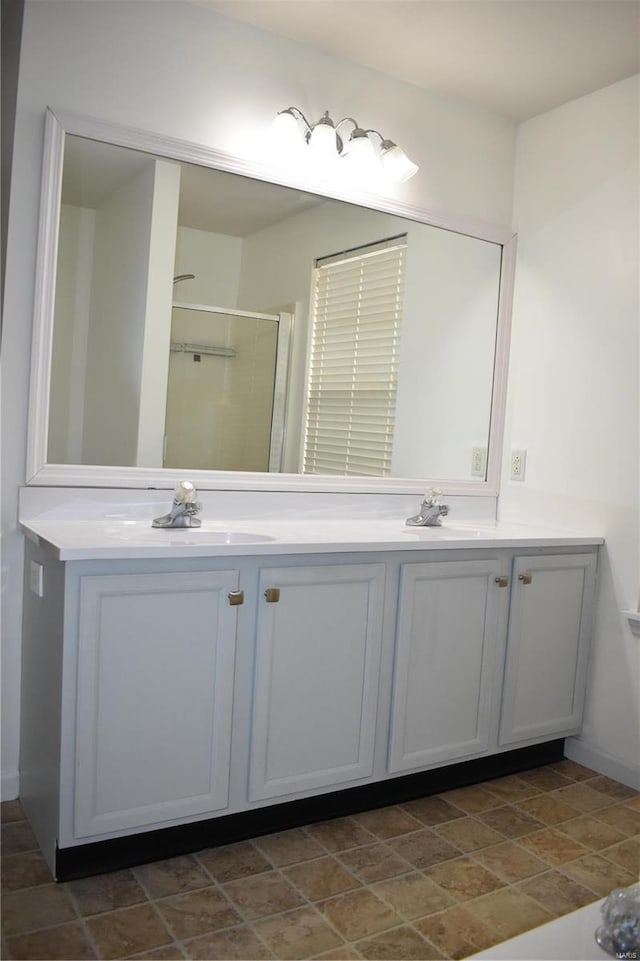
(200, 316)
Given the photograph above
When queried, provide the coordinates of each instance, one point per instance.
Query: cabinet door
(316, 677)
(547, 646)
(155, 684)
(446, 641)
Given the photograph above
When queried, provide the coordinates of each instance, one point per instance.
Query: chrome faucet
(183, 510)
(431, 510)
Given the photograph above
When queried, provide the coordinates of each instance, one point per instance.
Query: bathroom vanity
(203, 685)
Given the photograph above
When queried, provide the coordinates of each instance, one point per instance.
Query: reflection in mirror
(187, 308)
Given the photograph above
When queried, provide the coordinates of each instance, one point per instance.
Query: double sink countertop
(118, 535)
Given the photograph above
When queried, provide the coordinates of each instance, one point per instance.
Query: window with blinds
(352, 380)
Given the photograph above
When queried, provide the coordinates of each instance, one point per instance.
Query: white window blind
(351, 392)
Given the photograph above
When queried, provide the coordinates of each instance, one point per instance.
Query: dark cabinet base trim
(111, 855)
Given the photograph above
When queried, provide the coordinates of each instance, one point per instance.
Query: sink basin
(219, 537)
(442, 531)
(142, 533)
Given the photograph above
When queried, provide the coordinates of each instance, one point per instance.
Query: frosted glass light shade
(396, 164)
(323, 140)
(285, 129)
(361, 152)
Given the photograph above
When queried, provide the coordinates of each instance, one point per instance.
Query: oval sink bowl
(220, 537)
(442, 531)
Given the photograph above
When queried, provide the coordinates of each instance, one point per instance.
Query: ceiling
(517, 58)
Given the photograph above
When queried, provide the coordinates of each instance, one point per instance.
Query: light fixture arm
(298, 115)
(393, 158)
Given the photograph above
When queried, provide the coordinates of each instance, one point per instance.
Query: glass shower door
(226, 385)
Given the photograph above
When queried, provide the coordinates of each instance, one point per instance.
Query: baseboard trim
(117, 853)
(602, 762)
(9, 785)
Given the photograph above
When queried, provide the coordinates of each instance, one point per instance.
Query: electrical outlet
(518, 464)
(478, 461)
(36, 578)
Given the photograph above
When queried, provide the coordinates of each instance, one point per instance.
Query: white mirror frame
(39, 472)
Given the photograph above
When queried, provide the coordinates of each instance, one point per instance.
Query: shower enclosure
(226, 389)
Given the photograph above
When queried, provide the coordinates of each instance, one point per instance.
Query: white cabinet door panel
(445, 651)
(155, 688)
(316, 677)
(547, 646)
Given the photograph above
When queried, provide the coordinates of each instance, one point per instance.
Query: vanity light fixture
(360, 150)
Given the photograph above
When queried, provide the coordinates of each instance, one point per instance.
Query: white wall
(573, 395)
(183, 71)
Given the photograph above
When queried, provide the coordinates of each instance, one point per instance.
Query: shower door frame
(284, 320)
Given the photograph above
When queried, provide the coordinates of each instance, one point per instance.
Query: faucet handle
(185, 493)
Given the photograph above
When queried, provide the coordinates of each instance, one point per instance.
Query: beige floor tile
(548, 809)
(33, 908)
(473, 798)
(614, 789)
(468, 834)
(129, 931)
(11, 811)
(510, 821)
(583, 797)
(340, 834)
(599, 874)
(233, 861)
(105, 892)
(233, 944)
(432, 810)
(544, 779)
(297, 934)
(464, 878)
(289, 847)
(322, 878)
(374, 862)
(591, 832)
(170, 952)
(622, 818)
(553, 846)
(55, 944)
(413, 895)
(509, 912)
(457, 932)
(626, 854)
(197, 912)
(172, 876)
(388, 822)
(17, 837)
(338, 954)
(511, 788)
(24, 870)
(510, 861)
(424, 848)
(633, 802)
(263, 894)
(399, 944)
(573, 770)
(557, 893)
(359, 914)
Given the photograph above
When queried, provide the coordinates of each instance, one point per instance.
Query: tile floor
(440, 877)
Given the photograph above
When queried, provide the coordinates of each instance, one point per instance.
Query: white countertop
(119, 536)
(569, 937)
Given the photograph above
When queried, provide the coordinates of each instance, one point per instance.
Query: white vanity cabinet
(448, 643)
(155, 669)
(317, 666)
(154, 699)
(547, 646)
